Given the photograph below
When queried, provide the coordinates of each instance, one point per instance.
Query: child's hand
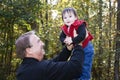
(68, 40)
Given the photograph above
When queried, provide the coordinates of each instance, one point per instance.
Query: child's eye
(65, 17)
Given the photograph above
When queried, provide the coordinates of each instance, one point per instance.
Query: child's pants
(87, 66)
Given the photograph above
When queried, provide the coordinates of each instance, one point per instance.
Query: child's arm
(81, 34)
(62, 37)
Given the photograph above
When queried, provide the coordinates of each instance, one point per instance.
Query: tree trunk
(110, 49)
(46, 28)
(100, 41)
(116, 64)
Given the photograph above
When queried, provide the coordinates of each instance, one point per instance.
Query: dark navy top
(59, 68)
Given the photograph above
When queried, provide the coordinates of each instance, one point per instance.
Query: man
(29, 47)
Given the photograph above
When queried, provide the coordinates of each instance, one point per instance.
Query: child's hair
(69, 9)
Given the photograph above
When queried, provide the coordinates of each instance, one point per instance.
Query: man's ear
(28, 50)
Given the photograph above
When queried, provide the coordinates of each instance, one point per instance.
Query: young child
(75, 31)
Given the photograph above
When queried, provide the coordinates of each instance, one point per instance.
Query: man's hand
(69, 47)
(75, 33)
(80, 44)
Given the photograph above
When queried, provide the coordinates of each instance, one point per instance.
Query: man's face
(37, 46)
(69, 18)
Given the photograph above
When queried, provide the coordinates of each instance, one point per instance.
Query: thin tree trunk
(117, 54)
(46, 28)
(100, 41)
(109, 55)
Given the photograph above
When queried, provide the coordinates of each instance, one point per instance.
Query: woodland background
(44, 16)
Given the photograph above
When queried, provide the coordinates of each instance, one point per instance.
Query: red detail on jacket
(75, 26)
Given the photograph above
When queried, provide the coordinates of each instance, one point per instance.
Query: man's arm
(67, 70)
(75, 63)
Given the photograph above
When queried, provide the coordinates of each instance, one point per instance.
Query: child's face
(69, 18)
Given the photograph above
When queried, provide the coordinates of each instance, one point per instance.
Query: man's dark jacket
(59, 68)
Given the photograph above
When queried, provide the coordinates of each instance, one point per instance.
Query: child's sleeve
(62, 37)
(81, 34)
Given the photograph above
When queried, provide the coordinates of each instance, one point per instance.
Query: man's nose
(42, 43)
